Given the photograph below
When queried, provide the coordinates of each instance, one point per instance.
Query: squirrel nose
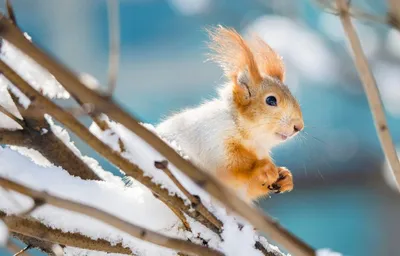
(298, 126)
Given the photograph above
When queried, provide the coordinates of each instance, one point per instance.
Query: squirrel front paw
(284, 183)
(266, 175)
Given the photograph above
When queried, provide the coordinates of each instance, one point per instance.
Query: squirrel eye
(271, 100)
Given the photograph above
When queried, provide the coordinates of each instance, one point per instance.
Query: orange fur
(244, 168)
(269, 62)
(233, 53)
(244, 164)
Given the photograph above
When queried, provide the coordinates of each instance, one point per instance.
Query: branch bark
(371, 90)
(136, 231)
(103, 104)
(33, 232)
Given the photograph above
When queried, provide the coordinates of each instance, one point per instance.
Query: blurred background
(343, 197)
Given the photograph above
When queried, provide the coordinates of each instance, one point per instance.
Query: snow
(29, 70)
(327, 252)
(3, 234)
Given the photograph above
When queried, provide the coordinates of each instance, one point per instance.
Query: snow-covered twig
(195, 200)
(31, 228)
(134, 230)
(103, 104)
(371, 90)
(79, 129)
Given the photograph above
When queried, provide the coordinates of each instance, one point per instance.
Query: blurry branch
(114, 35)
(10, 12)
(394, 13)
(104, 104)
(22, 252)
(136, 231)
(27, 229)
(371, 90)
(391, 18)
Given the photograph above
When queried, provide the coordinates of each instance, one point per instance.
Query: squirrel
(231, 136)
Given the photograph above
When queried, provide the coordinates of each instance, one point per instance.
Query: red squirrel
(231, 136)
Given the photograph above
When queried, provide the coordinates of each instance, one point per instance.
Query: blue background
(341, 200)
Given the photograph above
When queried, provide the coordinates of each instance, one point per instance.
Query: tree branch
(195, 200)
(14, 118)
(15, 138)
(371, 90)
(103, 104)
(113, 30)
(136, 231)
(40, 137)
(28, 229)
(79, 129)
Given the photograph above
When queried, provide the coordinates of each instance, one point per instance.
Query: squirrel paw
(267, 175)
(284, 183)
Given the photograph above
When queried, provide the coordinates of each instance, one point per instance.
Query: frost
(3, 234)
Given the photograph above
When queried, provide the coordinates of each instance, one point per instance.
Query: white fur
(201, 132)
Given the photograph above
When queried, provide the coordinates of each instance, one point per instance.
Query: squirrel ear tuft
(269, 62)
(233, 54)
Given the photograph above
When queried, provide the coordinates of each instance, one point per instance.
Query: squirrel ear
(269, 62)
(242, 91)
(233, 54)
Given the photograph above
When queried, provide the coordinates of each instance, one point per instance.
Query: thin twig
(136, 231)
(14, 118)
(177, 212)
(371, 91)
(23, 250)
(114, 36)
(10, 12)
(195, 200)
(210, 184)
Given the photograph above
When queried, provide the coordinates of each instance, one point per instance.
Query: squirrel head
(263, 105)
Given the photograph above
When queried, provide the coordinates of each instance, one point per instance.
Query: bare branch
(390, 19)
(103, 104)
(21, 252)
(14, 118)
(371, 91)
(136, 231)
(394, 13)
(10, 12)
(114, 35)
